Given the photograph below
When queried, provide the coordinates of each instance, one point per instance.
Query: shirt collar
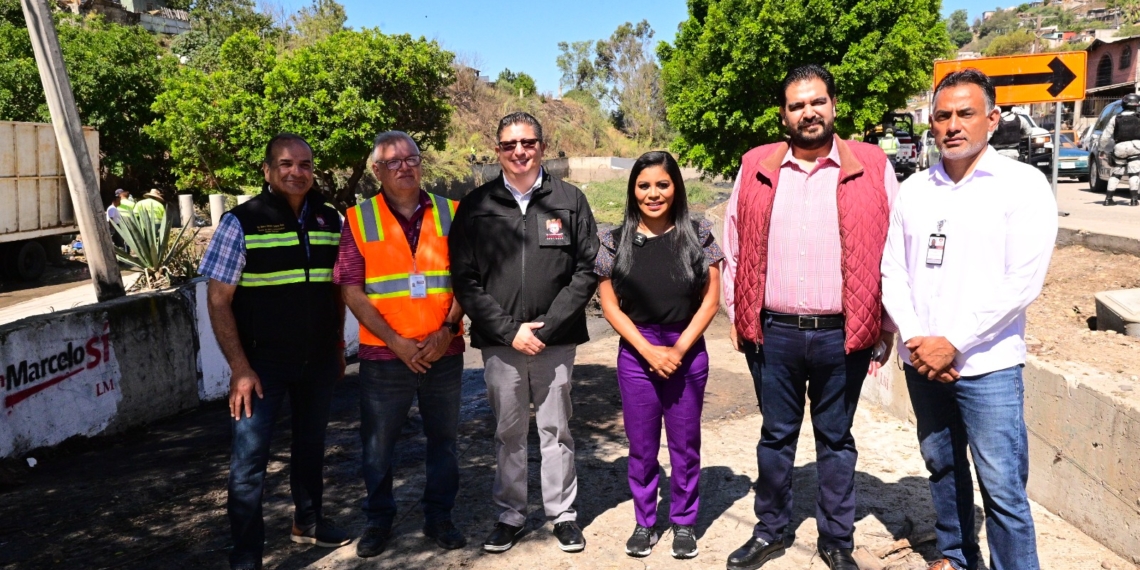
(990, 164)
(537, 184)
(833, 157)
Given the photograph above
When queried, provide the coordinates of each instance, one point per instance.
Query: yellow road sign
(1023, 79)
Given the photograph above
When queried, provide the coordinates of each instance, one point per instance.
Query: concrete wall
(1098, 242)
(102, 368)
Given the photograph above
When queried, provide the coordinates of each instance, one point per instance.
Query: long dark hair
(693, 268)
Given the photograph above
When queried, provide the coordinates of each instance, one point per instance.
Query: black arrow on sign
(1058, 79)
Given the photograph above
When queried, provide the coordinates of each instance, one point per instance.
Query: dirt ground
(1062, 322)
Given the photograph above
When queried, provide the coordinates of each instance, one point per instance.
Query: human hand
(660, 360)
(525, 341)
(433, 346)
(931, 355)
(734, 338)
(407, 351)
(243, 384)
(883, 347)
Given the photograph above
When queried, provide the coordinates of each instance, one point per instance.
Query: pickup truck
(35, 205)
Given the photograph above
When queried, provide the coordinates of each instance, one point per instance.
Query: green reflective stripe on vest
(126, 207)
(324, 238)
(443, 215)
(271, 240)
(275, 278)
(320, 275)
(368, 219)
(397, 285)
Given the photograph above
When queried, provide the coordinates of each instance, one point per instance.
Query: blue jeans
(985, 414)
(790, 364)
(386, 392)
(310, 389)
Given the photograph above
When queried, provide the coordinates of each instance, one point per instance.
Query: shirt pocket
(554, 228)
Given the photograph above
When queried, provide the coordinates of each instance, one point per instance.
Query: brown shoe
(943, 564)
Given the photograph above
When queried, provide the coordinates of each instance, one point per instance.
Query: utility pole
(82, 181)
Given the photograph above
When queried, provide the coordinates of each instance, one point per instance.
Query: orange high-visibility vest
(388, 263)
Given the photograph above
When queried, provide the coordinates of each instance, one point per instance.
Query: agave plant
(162, 260)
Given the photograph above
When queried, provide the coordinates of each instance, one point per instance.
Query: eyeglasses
(395, 164)
(528, 144)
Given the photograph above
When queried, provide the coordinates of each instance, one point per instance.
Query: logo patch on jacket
(321, 220)
(554, 229)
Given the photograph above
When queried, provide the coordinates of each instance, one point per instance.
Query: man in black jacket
(522, 257)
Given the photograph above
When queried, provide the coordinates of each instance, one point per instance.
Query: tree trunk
(347, 195)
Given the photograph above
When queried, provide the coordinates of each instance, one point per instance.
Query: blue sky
(524, 36)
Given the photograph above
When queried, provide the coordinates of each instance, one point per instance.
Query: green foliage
(583, 97)
(1128, 30)
(336, 93)
(607, 198)
(1001, 22)
(1017, 41)
(959, 28)
(161, 259)
(577, 66)
(11, 12)
(116, 72)
(221, 19)
(1129, 10)
(723, 72)
(318, 21)
(630, 80)
(516, 83)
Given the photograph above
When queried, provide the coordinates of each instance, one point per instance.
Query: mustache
(805, 123)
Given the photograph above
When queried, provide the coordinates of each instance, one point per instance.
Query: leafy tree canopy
(1015, 42)
(517, 82)
(337, 93)
(318, 21)
(724, 70)
(1001, 22)
(959, 28)
(116, 72)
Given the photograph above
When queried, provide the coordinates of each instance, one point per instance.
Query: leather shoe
(837, 558)
(569, 536)
(755, 553)
(373, 541)
(445, 534)
(502, 538)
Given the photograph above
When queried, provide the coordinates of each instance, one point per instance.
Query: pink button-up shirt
(805, 275)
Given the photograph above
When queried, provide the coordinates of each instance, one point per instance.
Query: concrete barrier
(1098, 242)
(101, 368)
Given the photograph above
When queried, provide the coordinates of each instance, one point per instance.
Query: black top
(654, 292)
(508, 268)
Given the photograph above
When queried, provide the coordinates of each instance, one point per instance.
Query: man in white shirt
(967, 251)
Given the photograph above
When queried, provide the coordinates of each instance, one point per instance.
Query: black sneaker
(502, 538)
(445, 534)
(684, 542)
(642, 541)
(570, 537)
(373, 541)
(323, 533)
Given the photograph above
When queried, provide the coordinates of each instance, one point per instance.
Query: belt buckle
(805, 323)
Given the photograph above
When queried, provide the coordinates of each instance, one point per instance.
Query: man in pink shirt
(804, 236)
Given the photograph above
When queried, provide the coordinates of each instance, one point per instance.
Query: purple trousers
(646, 398)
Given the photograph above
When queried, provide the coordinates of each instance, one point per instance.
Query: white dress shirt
(1000, 223)
(523, 198)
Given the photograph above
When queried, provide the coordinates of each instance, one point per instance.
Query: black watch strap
(453, 327)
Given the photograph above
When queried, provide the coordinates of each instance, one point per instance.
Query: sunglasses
(528, 144)
(395, 164)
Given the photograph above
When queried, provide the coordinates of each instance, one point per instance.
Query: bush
(162, 261)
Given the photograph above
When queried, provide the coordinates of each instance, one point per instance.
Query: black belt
(808, 322)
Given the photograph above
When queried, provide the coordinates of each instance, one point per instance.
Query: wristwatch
(453, 327)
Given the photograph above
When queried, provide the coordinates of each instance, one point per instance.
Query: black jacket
(508, 269)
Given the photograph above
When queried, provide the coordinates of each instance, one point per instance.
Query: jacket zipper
(524, 267)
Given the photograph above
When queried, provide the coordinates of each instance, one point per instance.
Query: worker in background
(1012, 127)
(1123, 133)
(115, 217)
(154, 205)
(889, 144)
(124, 203)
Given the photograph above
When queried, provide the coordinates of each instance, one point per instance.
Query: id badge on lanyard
(417, 282)
(936, 246)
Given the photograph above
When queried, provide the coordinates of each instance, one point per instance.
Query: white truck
(35, 205)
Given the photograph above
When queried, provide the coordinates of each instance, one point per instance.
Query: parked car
(1073, 161)
(1099, 167)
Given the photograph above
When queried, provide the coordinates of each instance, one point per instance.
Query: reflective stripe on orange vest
(388, 264)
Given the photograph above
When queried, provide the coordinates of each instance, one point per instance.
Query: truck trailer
(35, 206)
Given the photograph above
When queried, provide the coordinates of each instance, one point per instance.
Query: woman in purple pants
(659, 285)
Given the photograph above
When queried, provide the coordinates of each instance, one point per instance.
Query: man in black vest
(1123, 133)
(280, 323)
(1011, 129)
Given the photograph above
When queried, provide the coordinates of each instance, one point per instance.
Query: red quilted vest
(864, 215)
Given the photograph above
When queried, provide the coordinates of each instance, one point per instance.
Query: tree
(318, 21)
(1129, 10)
(723, 73)
(337, 93)
(576, 62)
(631, 80)
(1000, 22)
(959, 28)
(519, 83)
(1017, 41)
(115, 71)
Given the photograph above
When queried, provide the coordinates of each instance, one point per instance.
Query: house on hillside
(152, 15)
(1111, 72)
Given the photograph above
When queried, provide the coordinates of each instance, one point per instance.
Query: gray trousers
(514, 381)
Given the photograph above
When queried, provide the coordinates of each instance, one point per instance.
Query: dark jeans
(790, 364)
(309, 388)
(386, 392)
(986, 414)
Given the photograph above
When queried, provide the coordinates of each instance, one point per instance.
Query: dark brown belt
(808, 322)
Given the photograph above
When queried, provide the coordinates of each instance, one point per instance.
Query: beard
(800, 137)
(972, 148)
